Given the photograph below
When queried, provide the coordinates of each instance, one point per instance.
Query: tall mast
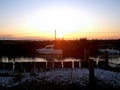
(55, 34)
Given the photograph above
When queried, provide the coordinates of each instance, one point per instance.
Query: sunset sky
(72, 19)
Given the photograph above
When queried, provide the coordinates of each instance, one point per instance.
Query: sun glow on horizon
(60, 36)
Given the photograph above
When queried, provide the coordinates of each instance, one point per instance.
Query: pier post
(62, 64)
(53, 64)
(13, 64)
(72, 64)
(46, 64)
(91, 71)
(79, 64)
(106, 59)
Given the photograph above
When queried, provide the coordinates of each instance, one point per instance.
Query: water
(42, 58)
(42, 61)
(49, 61)
(113, 60)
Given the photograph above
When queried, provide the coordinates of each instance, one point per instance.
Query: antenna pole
(55, 34)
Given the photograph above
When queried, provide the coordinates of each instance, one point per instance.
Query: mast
(55, 34)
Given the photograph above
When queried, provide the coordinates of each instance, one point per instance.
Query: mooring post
(13, 64)
(91, 71)
(106, 59)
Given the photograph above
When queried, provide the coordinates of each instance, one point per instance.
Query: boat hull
(44, 51)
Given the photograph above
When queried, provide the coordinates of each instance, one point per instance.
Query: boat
(110, 51)
(49, 49)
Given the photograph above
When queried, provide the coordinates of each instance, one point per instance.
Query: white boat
(110, 51)
(49, 49)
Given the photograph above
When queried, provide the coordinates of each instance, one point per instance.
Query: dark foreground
(60, 79)
(33, 85)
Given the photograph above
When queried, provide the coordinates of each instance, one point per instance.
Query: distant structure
(55, 34)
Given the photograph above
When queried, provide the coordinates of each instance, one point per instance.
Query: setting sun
(60, 36)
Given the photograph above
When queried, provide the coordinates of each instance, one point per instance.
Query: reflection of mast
(55, 34)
